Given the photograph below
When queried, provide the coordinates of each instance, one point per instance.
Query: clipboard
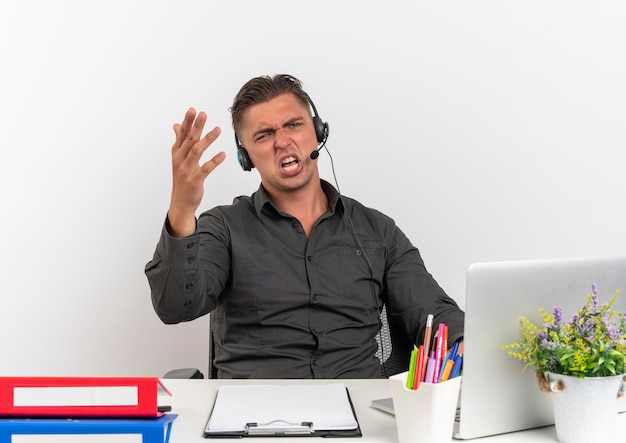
(314, 410)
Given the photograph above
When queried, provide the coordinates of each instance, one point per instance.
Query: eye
(294, 125)
(262, 136)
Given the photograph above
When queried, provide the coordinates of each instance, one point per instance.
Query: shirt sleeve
(186, 275)
(412, 293)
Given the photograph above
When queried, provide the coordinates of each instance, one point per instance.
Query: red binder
(80, 396)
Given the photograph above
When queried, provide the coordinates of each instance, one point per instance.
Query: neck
(307, 204)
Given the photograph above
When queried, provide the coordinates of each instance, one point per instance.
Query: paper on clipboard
(280, 408)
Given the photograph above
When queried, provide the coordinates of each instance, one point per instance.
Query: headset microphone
(316, 153)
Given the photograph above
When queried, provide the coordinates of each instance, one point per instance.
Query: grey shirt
(288, 306)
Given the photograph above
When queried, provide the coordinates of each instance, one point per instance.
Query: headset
(321, 133)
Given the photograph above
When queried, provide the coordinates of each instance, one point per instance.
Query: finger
(198, 148)
(194, 132)
(182, 130)
(209, 166)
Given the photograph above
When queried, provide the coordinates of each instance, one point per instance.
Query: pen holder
(426, 414)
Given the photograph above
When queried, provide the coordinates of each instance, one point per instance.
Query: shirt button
(190, 245)
(316, 362)
(359, 252)
(190, 260)
(188, 286)
(309, 257)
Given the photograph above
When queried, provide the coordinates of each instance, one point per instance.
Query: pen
(449, 358)
(456, 369)
(447, 370)
(427, 333)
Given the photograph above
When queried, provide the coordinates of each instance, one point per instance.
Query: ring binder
(152, 430)
(279, 428)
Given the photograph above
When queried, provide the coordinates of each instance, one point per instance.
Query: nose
(281, 139)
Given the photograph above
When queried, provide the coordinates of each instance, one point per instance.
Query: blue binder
(152, 430)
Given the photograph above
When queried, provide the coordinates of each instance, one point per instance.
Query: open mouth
(289, 163)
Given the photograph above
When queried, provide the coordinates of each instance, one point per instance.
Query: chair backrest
(394, 348)
(212, 369)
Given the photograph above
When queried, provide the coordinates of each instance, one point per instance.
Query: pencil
(427, 334)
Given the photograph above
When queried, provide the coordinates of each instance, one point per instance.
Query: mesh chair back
(394, 347)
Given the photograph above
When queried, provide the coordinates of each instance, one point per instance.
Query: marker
(430, 369)
(438, 352)
(444, 347)
(411, 376)
(420, 360)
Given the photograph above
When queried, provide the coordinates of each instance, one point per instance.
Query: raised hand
(187, 173)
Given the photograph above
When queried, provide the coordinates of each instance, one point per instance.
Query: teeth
(290, 163)
(289, 160)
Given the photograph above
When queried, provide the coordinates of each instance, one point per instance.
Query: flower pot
(585, 409)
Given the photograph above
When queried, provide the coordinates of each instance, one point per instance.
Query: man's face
(279, 137)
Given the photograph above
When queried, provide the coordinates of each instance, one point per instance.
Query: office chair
(394, 350)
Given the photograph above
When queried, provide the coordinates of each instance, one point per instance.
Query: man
(296, 274)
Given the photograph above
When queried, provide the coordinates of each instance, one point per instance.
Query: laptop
(497, 397)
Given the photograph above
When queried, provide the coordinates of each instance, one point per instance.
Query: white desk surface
(192, 400)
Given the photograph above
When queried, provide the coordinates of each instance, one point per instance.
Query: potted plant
(582, 362)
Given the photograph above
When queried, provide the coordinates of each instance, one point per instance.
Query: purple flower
(612, 333)
(594, 299)
(558, 315)
(543, 337)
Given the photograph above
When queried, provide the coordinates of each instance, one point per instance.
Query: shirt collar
(335, 203)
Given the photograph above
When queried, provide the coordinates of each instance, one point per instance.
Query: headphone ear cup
(244, 159)
(321, 129)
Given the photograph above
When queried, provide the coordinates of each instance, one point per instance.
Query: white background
(488, 129)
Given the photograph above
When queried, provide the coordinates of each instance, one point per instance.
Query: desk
(192, 401)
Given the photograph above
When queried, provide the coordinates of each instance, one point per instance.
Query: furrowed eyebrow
(269, 130)
(294, 120)
(262, 131)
